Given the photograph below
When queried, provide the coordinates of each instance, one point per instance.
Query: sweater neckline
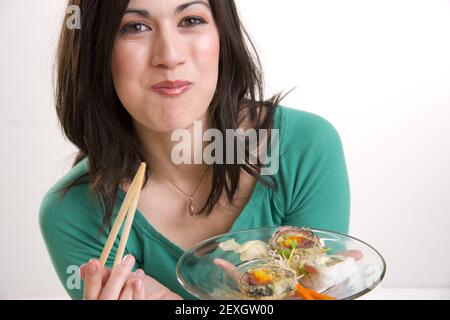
(259, 189)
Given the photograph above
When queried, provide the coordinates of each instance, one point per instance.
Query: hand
(228, 268)
(118, 284)
(121, 283)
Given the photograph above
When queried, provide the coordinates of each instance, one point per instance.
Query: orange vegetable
(288, 242)
(303, 292)
(319, 296)
(309, 294)
(262, 276)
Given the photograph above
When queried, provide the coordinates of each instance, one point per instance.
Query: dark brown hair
(93, 118)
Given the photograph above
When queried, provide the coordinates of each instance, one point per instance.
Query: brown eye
(134, 28)
(192, 22)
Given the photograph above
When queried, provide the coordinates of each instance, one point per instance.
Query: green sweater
(313, 191)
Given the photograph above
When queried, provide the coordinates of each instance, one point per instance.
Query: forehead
(167, 6)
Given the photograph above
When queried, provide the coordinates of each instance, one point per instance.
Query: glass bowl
(213, 269)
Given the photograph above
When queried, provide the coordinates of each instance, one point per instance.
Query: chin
(183, 118)
(169, 125)
(169, 114)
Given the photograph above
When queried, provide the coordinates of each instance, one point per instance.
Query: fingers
(156, 291)
(93, 280)
(352, 253)
(100, 284)
(138, 286)
(117, 279)
(134, 289)
(83, 271)
(106, 272)
(229, 268)
(127, 291)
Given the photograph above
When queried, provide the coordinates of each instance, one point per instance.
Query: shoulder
(301, 129)
(60, 209)
(312, 171)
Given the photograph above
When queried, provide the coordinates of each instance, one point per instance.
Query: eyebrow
(146, 14)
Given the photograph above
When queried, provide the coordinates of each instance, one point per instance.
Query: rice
(323, 272)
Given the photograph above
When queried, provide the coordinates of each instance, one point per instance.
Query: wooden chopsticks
(127, 209)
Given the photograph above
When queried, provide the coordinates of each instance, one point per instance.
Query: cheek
(128, 66)
(206, 54)
(128, 62)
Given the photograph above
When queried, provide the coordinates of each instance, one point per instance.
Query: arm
(70, 230)
(320, 192)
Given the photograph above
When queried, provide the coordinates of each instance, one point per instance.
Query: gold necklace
(190, 200)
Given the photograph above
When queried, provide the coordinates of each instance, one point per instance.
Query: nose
(167, 50)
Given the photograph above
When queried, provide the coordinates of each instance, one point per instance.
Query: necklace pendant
(191, 207)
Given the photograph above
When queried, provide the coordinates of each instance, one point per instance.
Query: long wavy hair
(94, 120)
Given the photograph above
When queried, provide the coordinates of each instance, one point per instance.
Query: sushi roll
(301, 242)
(322, 272)
(268, 283)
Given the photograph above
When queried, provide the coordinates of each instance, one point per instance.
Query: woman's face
(160, 41)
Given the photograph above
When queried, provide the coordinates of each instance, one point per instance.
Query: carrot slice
(319, 296)
(304, 292)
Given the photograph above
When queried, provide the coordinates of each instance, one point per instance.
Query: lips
(172, 88)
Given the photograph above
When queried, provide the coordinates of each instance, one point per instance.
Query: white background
(379, 71)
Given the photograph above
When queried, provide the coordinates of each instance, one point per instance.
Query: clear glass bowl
(202, 276)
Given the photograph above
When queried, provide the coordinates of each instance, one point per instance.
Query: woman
(133, 74)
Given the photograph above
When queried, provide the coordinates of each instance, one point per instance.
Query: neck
(158, 147)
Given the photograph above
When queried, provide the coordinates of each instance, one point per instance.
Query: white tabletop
(408, 293)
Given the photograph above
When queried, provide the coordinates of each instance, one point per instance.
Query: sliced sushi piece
(250, 250)
(302, 242)
(323, 272)
(268, 283)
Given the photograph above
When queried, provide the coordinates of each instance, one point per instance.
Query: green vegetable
(303, 272)
(284, 253)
